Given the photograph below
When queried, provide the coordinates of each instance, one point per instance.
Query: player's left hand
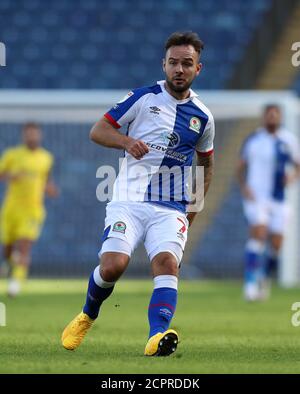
(290, 178)
(52, 190)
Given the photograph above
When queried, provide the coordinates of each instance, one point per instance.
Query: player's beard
(178, 89)
(272, 127)
(33, 145)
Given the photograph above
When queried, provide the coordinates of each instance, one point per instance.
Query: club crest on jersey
(119, 227)
(195, 124)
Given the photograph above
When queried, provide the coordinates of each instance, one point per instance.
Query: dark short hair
(185, 38)
(268, 107)
(30, 125)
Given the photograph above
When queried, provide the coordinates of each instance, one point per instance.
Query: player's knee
(276, 244)
(165, 264)
(259, 233)
(7, 251)
(24, 248)
(112, 266)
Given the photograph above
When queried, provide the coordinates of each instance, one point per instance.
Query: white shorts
(269, 213)
(160, 228)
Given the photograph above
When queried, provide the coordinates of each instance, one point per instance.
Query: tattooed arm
(208, 163)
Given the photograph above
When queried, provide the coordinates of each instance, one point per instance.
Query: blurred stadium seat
(296, 85)
(119, 44)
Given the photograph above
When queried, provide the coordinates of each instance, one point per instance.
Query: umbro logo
(155, 110)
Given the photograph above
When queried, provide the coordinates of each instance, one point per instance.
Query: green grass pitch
(219, 332)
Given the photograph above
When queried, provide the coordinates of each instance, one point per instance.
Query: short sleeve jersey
(173, 130)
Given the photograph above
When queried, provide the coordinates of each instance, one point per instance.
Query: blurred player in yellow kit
(26, 168)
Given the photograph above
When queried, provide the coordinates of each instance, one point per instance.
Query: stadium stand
(65, 46)
(59, 47)
(296, 84)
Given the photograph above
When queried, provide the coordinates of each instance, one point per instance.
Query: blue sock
(271, 264)
(161, 309)
(253, 260)
(96, 294)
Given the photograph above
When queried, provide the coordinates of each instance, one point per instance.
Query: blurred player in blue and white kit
(270, 160)
(166, 125)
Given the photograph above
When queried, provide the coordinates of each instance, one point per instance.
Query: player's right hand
(136, 148)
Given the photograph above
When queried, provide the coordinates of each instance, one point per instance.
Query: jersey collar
(168, 95)
(274, 135)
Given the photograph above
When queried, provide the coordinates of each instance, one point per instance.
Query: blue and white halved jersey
(268, 157)
(173, 130)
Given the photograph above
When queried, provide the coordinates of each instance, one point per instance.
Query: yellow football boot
(162, 344)
(75, 331)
